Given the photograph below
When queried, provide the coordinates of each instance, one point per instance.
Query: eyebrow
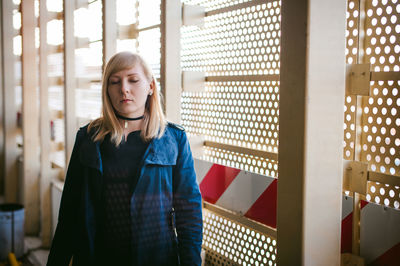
(132, 74)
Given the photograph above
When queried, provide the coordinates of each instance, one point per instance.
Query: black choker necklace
(128, 118)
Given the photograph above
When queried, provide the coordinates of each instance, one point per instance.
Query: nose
(124, 87)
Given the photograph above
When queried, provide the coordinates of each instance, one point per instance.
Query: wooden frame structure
(311, 91)
(10, 129)
(30, 119)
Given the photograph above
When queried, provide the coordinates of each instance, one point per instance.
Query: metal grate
(229, 242)
(382, 38)
(373, 36)
(243, 113)
(243, 161)
(381, 127)
(353, 11)
(243, 45)
(244, 41)
(384, 194)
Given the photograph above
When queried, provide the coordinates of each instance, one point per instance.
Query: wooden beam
(390, 75)
(30, 119)
(360, 101)
(311, 132)
(45, 174)
(69, 78)
(10, 129)
(171, 21)
(236, 7)
(2, 156)
(242, 150)
(269, 231)
(268, 77)
(391, 180)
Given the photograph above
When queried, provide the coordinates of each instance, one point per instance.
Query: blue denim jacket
(165, 206)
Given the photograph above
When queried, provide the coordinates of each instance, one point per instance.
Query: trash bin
(11, 230)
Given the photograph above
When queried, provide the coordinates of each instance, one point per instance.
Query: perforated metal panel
(228, 242)
(353, 11)
(237, 113)
(381, 126)
(373, 36)
(243, 161)
(237, 42)
(380, 118)
(244, 41)
(384, 194)
(382, 38)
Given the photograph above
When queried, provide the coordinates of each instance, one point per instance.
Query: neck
(130, 123)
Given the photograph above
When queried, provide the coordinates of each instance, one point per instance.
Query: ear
(152, 86)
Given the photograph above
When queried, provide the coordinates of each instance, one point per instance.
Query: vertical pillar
(355, 247)
(9, 106)
(109, 29)
(171, 21)
(69, 78)
(311, 132)
(30, 119)
(45, 199)
(1, 110)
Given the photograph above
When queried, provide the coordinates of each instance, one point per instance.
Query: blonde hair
(154, 122)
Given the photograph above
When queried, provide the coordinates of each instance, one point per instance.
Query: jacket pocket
(174, 236)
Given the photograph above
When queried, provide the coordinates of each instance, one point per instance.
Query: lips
(126, 100)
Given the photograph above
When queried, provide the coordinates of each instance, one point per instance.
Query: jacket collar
(162, 151)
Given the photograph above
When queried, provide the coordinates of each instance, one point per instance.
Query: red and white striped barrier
(255, 197)
(250, 194)
(379, 232)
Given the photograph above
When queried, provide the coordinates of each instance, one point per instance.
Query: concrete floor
(34, 253)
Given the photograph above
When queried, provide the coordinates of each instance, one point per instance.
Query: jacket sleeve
(62, 245)
(187, 204)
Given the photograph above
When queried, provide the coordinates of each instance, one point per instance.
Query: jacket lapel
(90, 155)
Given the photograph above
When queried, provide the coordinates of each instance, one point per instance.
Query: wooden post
(69, 78)
(311, 132)
(11, 151)
(45, 167)
(1, 111)
(355, 247)
(109, 29)
(30, 119)
(171, 21)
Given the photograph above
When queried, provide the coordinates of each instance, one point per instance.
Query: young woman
(130, 195)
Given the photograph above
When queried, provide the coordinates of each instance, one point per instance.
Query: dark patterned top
(120, 175)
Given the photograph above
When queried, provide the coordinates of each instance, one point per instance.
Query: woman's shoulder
(174, 126)
(87, 131)
(175, 129)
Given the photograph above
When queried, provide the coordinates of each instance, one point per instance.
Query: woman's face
(128, 90)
